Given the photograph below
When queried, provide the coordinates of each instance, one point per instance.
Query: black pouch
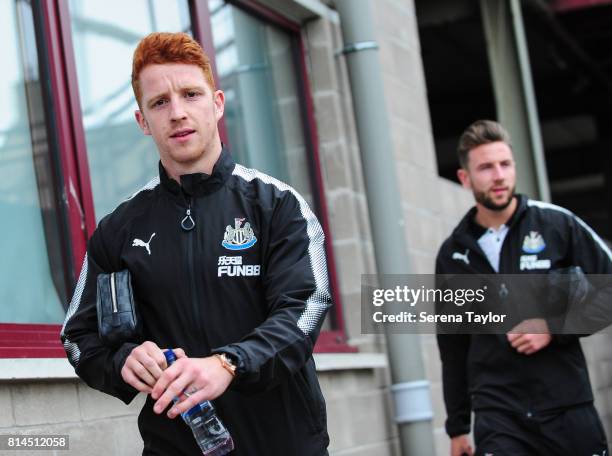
(118, 319)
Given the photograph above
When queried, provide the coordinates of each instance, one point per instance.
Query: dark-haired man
(529, 390)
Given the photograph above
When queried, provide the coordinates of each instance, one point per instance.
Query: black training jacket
(484, 371)
(249, 279)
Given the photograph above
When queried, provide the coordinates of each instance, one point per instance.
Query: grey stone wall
(96, 424)
(432, 205)
(598, 352)
(359, 414)
(341, 169)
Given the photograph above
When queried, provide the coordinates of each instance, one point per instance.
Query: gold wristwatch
(226, 363)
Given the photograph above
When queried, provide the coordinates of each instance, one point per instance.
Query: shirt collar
(198, 184)
(478, 230)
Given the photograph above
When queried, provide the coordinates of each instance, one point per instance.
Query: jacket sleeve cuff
(125, 392)
(457, 427)
(555, 324)
(238, 358)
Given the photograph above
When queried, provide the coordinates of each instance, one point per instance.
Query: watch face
(231, 359)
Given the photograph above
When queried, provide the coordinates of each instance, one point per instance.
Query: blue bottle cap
(205, 408)
(193, 410)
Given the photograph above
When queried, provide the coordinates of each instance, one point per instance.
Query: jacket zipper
(188, 224)
(503, 293)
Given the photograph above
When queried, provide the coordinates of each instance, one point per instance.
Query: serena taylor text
(425, 317)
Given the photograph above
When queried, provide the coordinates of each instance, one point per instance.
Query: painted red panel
(318, 178)
(78, 131)
(267, 14)
(202, 32)
(63, 115)
(43, 341)
(333, 342)
(568, 5)
(30, 341)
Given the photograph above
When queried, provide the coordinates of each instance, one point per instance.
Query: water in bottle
(210, 433)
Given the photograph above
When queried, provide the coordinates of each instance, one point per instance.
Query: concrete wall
(432, 205)
(598, 353)
(96, 424)
(99, 425)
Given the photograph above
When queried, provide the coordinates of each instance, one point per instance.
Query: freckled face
(180, 110)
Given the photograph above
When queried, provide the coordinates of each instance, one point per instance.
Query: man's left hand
(192, 380)
(530, 336)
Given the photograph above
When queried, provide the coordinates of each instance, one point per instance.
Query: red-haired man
(230, 268)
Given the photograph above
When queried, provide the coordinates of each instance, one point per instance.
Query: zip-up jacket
(483, 371)
(249, 280)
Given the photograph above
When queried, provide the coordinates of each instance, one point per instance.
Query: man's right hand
(144, 366)
(461, 446)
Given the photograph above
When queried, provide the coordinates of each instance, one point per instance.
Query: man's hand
(144, 366)
(193, 380)
(461, 446)
(530, 336)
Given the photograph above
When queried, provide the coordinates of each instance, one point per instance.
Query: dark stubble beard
(486, 201)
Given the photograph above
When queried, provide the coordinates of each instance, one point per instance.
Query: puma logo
(462, 256)
(140, 243)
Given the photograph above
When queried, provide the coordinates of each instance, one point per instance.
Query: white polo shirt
(491, 243)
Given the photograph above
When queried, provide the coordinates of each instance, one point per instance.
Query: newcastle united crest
(533, 243)
(239, 237)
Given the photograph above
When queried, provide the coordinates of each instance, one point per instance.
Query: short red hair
(168, 48)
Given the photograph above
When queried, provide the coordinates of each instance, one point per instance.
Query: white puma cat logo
(462, 256)
(140, 243)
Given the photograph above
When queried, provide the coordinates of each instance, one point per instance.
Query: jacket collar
(199, 184)
(468, 231)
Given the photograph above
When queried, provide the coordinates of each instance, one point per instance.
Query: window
(70, 150)
(47, 213)
(259, 61)
(121, 159)
(262, 113)
(33, 284)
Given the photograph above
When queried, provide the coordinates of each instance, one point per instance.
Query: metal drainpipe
(410, 389)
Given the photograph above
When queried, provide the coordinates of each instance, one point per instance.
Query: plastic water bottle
(210, 433)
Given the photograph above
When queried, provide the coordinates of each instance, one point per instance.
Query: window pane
(29, 218)
(105, 34)
(262, 113)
